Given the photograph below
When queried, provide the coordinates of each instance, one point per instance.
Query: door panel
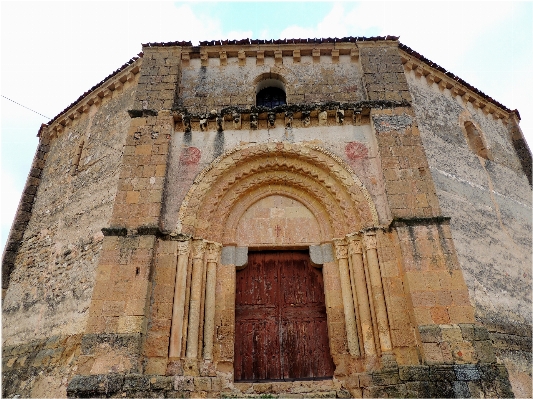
(280, 317)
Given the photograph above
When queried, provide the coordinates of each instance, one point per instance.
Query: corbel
(419, 72)
(339, 116)
(203, 124)
(430, 78)
(105, 93)
(116, 85)
(223, 58)
(130, 76)
(296, 57)
(306, 118)
(357, 116)
(260, 57)
(335, 55)
(66, 122)
(253, 121)
(278, 57)
(236, 120)
(409, 65)
(478, 104)
(186, 120)
(135, 70)
(96, 100)
(85, 108)
(316, 55)
(288, 119)
(185, 58)
(487, 109)
(354, 54)
(271, 119)
(242, 58)
(443, 85)
(323, 118)
(74, 115)
(220, 123)
(204, 58)
(467, 98)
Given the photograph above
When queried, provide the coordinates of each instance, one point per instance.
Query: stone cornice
(301, 115)
(434, 73)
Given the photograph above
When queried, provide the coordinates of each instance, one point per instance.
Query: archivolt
(238, 174)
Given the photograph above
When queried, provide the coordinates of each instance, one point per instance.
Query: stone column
(213, 256)
(178, 308)
(365, 317)
(341, 253)
(198, 247)
(377, 291)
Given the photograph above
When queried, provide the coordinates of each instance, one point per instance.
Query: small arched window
(271, 97)
(475, 140)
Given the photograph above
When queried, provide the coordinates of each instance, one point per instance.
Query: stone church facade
(303, 218)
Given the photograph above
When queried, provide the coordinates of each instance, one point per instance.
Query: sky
(52, 52)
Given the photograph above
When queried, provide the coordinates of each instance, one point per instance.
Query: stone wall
(489, 202)
(51, 286)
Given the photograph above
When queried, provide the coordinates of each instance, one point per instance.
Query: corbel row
(277, 53)
(242, 120)
(365, 311)
(193, 311)
(73, 114)
(443, 81)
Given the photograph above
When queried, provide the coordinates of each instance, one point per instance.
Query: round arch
(318, 179)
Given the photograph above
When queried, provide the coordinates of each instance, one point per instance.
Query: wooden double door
(280, 319)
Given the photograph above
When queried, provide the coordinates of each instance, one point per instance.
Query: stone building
(292, 218)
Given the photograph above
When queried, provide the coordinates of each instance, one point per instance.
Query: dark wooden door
(280, 319)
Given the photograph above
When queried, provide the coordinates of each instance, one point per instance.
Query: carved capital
(213, 251)
(370, 241)
(198, 248)
(355, 246)
(341, 248)
(183, 248)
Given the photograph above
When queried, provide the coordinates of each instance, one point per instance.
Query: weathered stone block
(414, 373)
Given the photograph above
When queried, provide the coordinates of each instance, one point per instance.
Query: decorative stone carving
(213, 251)
(355, 246)
(288, 119)
(186, 120)
(203, 124)
(253, 121)
(341, 248)
(198, 248)
(236, 120)
(311, 167)
(271, 119)
(370, 240)
(306, 118)
(323, 118)
(220, 123)
(340, 116)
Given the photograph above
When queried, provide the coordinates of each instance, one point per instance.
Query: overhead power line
(23, 106)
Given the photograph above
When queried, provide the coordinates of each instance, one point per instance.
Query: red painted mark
(278, 230)
(355, 150)
(190, 156)
(460, 354)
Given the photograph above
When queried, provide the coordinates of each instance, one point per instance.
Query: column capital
(184, 247)
(213, 251)
(370, 240)
(341, 248)
(198, 248)
(355, 245)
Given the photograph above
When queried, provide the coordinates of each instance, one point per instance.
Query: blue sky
(52, 52)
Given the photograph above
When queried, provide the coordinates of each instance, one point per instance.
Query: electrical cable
(23, 106)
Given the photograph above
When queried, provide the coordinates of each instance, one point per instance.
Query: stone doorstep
(286, 387)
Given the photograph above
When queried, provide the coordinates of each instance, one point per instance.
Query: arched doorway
(276, 197)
